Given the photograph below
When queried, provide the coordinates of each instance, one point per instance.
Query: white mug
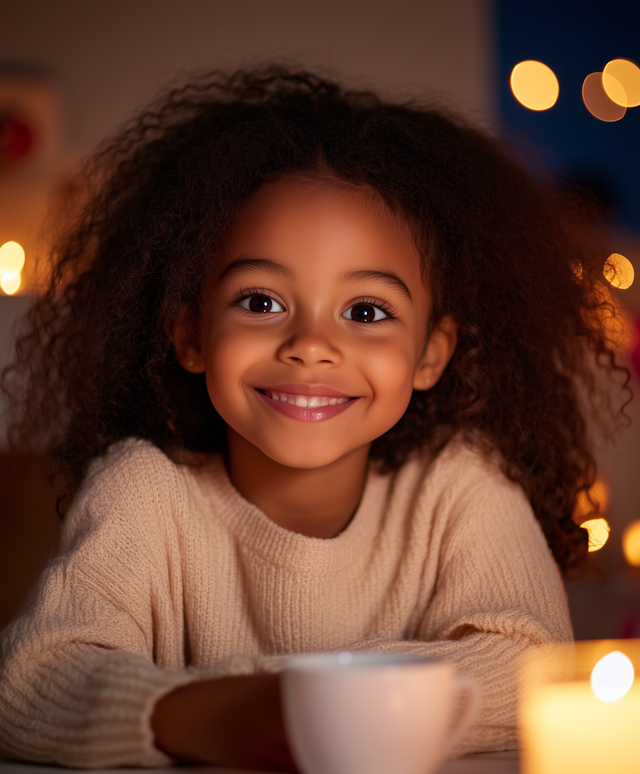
(374, 713)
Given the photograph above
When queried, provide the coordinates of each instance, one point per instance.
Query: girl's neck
(318, 502)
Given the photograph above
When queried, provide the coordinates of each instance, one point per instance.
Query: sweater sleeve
(498, 592)
(78, 678)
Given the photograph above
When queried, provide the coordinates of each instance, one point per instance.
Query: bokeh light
(631, 543)
(534, 85)
(598, 530)
(618, 271)
(597, 102)
(11, 257)
(11, 263)
(10, 281)
(612, 677)
(621, 82)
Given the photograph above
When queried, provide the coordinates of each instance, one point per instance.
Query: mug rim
(357, 660)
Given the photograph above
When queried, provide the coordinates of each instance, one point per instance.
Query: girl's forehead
(322, 217)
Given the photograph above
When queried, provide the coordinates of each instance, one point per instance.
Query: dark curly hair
(517, 263)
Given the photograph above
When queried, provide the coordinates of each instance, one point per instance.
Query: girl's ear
(437, 354)
(187, 345)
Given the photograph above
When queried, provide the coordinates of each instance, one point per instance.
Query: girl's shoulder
(128, 462)
(133, 479)
(463, 474)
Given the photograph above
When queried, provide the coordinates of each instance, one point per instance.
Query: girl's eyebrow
(241, 265)
(388, 277)
(244, 264)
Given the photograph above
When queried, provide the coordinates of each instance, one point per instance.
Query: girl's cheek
(230, 354)
(390, 370)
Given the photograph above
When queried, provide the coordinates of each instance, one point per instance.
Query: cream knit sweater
(167, 575)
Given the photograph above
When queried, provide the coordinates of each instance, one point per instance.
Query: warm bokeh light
(598, 530)
(10, 281)
(598, 527)
(597, 102)
(11, 263)
(612, 677)
(621, 81)
(534, 85)
(618, 271)
(631, 543)
(11, 257)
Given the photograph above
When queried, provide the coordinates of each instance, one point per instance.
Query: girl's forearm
(229, 721)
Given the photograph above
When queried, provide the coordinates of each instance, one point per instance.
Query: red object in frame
(16, 138)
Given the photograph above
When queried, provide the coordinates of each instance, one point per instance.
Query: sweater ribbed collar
(255, 530)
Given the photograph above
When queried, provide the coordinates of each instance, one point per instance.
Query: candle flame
(612, 677)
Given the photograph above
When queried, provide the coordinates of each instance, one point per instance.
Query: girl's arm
(81, 671)
(231, 721)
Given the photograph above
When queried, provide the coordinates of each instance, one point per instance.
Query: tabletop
(487, 763)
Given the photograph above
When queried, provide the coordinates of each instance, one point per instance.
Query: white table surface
(488, 763)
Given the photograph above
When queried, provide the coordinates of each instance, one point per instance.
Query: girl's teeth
(303, 402)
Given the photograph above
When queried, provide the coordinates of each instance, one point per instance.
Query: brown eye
(364, 313)
(261, 304)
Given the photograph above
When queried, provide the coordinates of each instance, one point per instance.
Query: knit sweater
(167, 575)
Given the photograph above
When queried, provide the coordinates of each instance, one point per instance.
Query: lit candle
(580, 710)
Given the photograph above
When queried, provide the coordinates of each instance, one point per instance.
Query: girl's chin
(304, 455)
(304, 461)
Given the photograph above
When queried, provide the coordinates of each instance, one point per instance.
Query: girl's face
(313, 332)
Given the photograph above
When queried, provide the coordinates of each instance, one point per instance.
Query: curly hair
(517, 264)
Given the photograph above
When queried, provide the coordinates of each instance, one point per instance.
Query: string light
(534, 85)
(621, 81)
(597, 101)
(598, 527)
(11, 263)
(631, 543)
(618, 271)
(598, 530)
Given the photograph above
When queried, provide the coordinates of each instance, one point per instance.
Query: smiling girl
(308, 363)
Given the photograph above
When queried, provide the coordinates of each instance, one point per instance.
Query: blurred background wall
(74, 71)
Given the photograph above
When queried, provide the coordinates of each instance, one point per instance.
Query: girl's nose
(309, 346)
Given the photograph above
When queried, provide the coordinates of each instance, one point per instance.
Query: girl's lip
(316, 414)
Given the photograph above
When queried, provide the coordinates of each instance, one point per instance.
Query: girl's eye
(261, 304)
(365, 313)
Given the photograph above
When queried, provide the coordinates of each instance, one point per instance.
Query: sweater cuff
(103, 706)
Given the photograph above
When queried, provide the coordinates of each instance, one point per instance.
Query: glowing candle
(580, 710)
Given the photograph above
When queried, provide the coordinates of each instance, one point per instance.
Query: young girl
(312, 366)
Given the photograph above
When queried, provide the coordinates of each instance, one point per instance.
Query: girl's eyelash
(383, 305)
(248, 292)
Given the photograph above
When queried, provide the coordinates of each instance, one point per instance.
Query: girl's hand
(231, 721)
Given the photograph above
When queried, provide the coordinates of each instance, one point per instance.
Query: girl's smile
(306, 402)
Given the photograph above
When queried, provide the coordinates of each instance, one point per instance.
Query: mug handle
(468, 713)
